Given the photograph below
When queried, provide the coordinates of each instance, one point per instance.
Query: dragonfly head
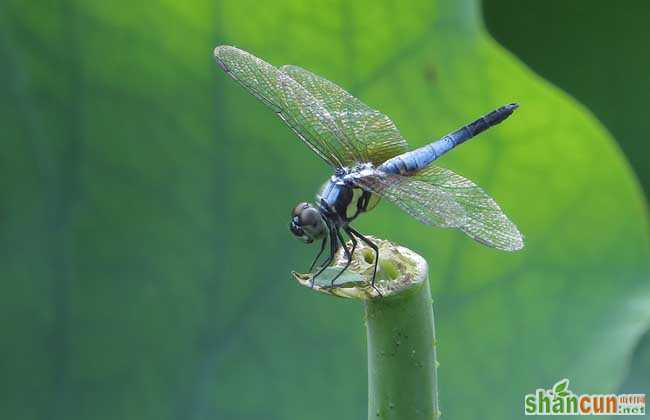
(307, 223)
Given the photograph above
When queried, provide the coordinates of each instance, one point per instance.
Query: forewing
(372, 133)
(437, 194)
(426, 202)
(305, 114)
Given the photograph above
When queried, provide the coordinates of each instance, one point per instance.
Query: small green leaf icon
(560, 388)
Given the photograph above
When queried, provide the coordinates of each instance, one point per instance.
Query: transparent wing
(482, 218)
(306, 115)
(426, 202)
(371, 132)
(486, 222)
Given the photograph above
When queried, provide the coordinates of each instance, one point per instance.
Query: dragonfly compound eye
(309, 216)
(298, 209)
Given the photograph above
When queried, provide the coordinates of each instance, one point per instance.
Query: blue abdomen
(413, 161)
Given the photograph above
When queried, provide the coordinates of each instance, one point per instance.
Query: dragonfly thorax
(334, 198)
(341, 201)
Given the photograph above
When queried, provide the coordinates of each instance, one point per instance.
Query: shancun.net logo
(560, 401)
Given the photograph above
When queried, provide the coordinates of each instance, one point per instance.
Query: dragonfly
(370, 160)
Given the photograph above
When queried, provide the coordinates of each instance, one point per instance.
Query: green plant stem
(402, 381)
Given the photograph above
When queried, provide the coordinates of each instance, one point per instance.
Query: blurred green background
(144, 199)
(595, 51)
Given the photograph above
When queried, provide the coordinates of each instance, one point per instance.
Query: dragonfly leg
(348, 253)
(330, 257)
(322, 248)
(351, 231)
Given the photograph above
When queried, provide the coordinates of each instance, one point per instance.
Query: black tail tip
(502, 113)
